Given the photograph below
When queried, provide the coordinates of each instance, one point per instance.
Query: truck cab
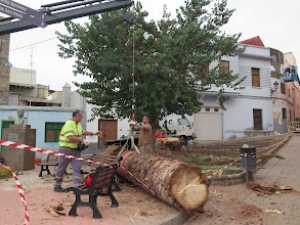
(180, 127)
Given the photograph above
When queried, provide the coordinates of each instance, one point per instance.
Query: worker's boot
(58, 189)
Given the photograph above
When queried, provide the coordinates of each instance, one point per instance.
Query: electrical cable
(33, 44)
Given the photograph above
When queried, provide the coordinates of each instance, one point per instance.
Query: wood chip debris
(57, 210)
(214, 173)
(274, 211)
(268, 189)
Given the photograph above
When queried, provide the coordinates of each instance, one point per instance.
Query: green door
(5, 124)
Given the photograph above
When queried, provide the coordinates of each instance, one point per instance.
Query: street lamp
(275, 87)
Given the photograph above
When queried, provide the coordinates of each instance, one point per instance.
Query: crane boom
(20, 17)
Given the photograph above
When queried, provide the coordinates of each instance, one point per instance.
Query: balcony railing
(294, 126)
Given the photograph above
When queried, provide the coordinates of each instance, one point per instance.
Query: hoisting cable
(133, 122)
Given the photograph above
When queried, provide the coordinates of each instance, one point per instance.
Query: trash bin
(248, 160)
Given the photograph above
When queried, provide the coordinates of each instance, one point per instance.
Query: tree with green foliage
(169, 58)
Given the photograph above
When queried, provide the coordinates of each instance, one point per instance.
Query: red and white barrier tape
(14, 145)
(21, 191)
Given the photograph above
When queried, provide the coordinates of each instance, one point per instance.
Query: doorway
(109, 128)
(257, 119)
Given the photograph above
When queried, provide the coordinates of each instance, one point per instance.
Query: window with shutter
(284, 114)
(224, 67)
(52, 131)
(255, 77)
(282, 88)
(204, 71)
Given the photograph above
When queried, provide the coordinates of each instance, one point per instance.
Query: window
(255, 77)
(216, 109)
(224, 67)
(284, 114)
(257, 119)
(52, 131)
(282, 88)
(207, 109)
(5, 124)
(204, 71)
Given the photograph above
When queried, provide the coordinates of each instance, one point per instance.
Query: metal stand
(248, 161)
(132, 143)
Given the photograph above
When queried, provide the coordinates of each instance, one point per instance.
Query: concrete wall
(22, 76)
(281, 101)
(37, 117)
(22, 93)
(39, 124)
(208, 126)
(256, 51)
(296, 101)
(4, 69)
(238, 116)
(245, 66)
(280, 124)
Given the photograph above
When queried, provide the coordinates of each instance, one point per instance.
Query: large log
(174, 182)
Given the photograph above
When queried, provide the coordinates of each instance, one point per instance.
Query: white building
(24, 90)
(249, 109)
(254, 109)
(46, 120)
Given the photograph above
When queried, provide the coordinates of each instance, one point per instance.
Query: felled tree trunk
(174, 182)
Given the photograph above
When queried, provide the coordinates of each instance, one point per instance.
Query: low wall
(232, 147)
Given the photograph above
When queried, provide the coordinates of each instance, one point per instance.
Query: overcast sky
(275, 21)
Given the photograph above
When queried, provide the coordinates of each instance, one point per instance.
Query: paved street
(136, 207)
(233, 205)
(237, 205)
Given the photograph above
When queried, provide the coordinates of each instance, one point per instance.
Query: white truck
(173, 125)
(178, 126)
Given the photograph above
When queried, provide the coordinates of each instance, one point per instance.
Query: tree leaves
(171, 58)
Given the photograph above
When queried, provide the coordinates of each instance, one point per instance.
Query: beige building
(24, 90)
(4, 69)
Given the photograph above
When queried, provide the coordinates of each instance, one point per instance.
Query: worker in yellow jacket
(71, 142)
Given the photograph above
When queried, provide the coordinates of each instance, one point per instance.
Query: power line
(33, 44)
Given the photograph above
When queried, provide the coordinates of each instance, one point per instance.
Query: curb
(228, 180)
(271, 152)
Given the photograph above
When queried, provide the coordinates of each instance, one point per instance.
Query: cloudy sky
(275, 21)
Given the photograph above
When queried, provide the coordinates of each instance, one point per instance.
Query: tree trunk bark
(174, 182)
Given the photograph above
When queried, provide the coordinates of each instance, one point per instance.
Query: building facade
(24, 90)
(248, 110)
(46, 120)
(4, 69)
(263, 104)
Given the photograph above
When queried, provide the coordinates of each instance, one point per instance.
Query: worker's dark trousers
(63, 164)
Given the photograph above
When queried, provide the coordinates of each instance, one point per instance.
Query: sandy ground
(136, 207)
(237, 205)
(233, 205)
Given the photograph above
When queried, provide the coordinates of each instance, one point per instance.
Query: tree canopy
(170, 58)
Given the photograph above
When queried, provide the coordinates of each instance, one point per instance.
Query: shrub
(4, 173)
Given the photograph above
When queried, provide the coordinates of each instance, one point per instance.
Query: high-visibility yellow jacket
(71, 128)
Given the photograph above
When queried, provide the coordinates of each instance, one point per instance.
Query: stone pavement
(237, 205)
(136, 206)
